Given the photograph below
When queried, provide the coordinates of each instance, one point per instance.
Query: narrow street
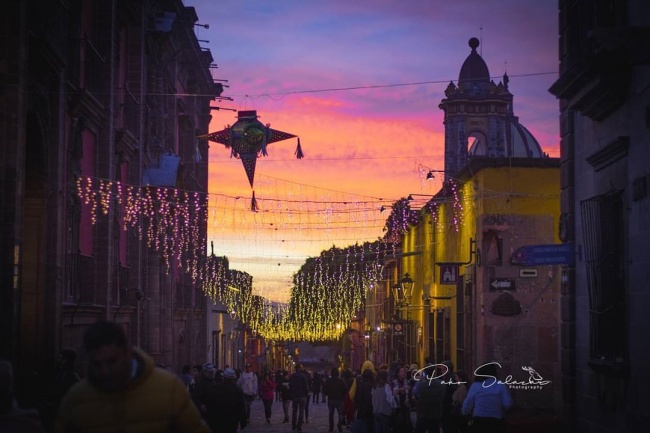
(317, 419)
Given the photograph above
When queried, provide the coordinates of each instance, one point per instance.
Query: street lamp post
(402, 292)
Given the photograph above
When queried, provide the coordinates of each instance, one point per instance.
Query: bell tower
(476, 109)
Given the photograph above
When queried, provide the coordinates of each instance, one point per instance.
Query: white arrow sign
(501, 284)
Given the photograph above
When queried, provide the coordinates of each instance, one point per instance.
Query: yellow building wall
(521, 201)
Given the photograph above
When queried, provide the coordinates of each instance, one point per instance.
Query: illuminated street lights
(403, 292)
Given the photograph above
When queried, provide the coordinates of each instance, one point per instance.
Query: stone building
(457, 290)
(100, 107)
(604, 96)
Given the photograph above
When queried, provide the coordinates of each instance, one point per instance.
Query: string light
(326, 290)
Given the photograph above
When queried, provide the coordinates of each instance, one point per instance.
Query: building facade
(457, 290)
(100, 108)
(604, 121)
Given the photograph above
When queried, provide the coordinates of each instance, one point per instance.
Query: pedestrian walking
(225, 404)
(248, 383)
(309, 381)
(334, 389)
(429, 395)
(364, 416)
(299, 388)
(186, 376)
(285, 395)
(458, 421)
(402, 392)
(123, 380)
(278, 382)
(383, 403)
(316, 387)
(487, 401)
(267, 392)
(446, 423)
(208, 374)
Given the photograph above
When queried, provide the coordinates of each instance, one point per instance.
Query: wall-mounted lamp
(402, 291)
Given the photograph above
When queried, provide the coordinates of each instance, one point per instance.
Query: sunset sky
(359, 81)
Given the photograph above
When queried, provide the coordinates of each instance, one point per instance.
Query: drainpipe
(111, 163)
(141, 138)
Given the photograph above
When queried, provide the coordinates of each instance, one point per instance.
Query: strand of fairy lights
(327, 291)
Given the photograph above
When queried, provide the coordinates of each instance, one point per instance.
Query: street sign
(502, 284)
(398, 328)
(535, 255)
(448, 274)
(527, 273)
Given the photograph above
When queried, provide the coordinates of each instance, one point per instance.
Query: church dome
(519, 143)
(474, 68)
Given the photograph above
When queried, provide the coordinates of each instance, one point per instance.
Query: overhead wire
(307, 91)
(375, 86)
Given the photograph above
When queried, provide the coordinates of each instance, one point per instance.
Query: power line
(376, 86)
(306, 91)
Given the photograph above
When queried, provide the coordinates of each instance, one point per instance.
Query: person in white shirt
(248, 383)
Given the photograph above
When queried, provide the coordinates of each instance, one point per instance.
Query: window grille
(603, 230)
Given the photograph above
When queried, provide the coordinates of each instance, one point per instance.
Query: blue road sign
(551, 254)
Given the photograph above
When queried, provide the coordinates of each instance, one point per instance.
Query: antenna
(481, 39)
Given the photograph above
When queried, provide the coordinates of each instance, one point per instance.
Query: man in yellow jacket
(125, 392)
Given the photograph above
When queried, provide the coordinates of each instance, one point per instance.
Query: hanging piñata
(247, 139)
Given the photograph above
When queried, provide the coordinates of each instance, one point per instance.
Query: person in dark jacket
(285, 395)
(299, 388)
(334, 389)
(429, 395)
(316, 387)
(225, 404)
(309, 381)
(186, 376)
(446, 421)
(365, 417)
(278, 381)
(208, 373)
(402, 392)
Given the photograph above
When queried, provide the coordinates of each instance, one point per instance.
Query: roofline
(478, 163)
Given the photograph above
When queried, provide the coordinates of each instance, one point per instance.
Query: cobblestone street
(317, 419)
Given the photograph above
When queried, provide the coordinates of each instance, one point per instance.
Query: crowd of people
(125, 388)
(389, 399)
(432, 399)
